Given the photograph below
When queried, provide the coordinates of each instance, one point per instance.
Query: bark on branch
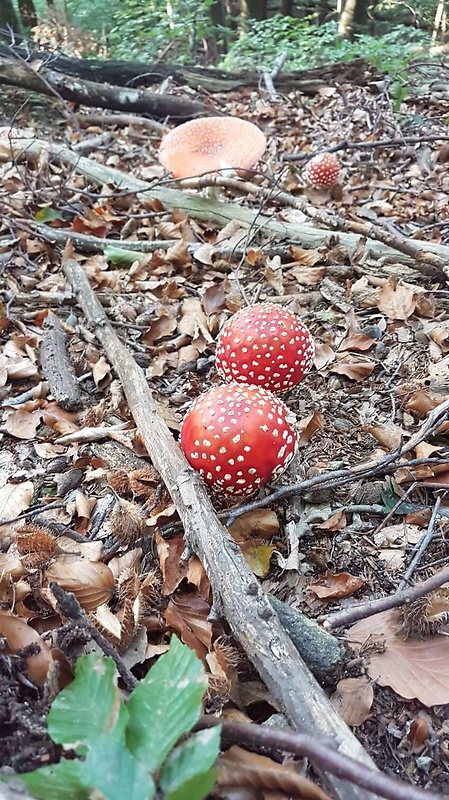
(99, 95)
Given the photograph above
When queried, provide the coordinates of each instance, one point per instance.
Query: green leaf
(121, 257)
(191, 759)
(48, 214)
(165, 704)
(90, 707)
(56, 782)
(196, 788)
(112, 769)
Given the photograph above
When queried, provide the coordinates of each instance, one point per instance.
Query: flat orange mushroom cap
(211, 144)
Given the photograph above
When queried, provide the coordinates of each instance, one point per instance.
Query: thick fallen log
(135, 73)
(99, 95)
(219, 212)
(237, 594)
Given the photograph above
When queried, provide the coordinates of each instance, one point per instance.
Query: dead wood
(215, 211)
(237, 594)
(56, 365)
(88, 93)
(131, 74)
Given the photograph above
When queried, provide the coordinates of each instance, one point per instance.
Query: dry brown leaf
(390, 436)
(337, 585)
(355, 367)
(414, 668)
(23, 422)
(304, 257)
(214, 299)
(419, 733)
(358, 341)
(423, 400)
(324, 355)
(353, 699)
(262, 523)
(188, 615)
(240, 768)
(397, 301)
(334, 523)
(159, 328)
(19, 635)
(308, 276)
(59, 420)
(91, 582)
(15, 498)
(101, 373)
(307, 426)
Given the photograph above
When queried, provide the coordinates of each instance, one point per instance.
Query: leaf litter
(381, 328)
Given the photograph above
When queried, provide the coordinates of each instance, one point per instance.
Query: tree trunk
(440, 22)
(219, 21)
(27, 13)
(8, 16)
(352, 13)
(287, 8)
(255, 9)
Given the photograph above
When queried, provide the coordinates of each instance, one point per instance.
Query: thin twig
(407, 596)
(70, 609)
(320, 751)
(425, 541)
(345, 145)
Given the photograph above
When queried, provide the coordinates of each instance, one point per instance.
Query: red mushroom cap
(265, 345)
(211, 144)
(323, 170)
(238, 438)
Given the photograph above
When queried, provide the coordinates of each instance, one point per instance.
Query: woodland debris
(57, 366)
(237, 594)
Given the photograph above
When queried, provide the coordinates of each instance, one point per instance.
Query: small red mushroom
(210, 145)
(238, 438)
(265, 345)
(322, 170)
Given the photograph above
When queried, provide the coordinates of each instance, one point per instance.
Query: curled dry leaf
(91, 582)
(188, 617)
(260, 774)
(19, 635)
(353, 699)
(324, 355)
(262, 523)
(23, 423)
(307, 426)
(334, 523)
(337, 585)
(357, 341)
(414, 668)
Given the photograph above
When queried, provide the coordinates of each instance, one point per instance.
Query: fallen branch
(207, 209)
(321, 754)
(56, 365)
(237, 594)
(100, 95)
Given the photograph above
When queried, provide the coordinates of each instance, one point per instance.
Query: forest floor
(381, 327)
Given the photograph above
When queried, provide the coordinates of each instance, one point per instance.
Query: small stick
(321, 751)
(425, 541)
(345, 145)
(407, 596)
(69, 608)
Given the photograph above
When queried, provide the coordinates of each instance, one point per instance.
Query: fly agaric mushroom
(238, 437)
(211, 144)
(265, 345)
(322, 170)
